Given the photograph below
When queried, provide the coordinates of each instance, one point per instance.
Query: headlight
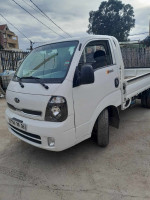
(56, 110)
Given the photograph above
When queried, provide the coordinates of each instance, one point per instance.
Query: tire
(145, 99)
(148, 101)
(103, 129)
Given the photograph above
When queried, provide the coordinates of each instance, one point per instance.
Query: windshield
(49, 63)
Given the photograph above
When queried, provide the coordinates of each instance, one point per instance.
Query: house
(8, 39)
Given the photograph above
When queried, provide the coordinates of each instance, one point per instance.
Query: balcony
(10, 40)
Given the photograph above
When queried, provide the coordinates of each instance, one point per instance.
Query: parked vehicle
(68, 90)
(5, 78)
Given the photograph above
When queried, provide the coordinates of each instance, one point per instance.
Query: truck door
(87, 97)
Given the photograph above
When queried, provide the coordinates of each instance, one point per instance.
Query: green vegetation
(112, 18)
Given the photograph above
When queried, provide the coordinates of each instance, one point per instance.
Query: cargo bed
(136, 81)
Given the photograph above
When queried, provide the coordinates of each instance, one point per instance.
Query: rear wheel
(145, 99)
(103, 129)
(148, 100)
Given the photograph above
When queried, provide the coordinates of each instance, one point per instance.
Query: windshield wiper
(20, 83)
(37, 80)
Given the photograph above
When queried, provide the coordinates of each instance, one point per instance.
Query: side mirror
(85, 76)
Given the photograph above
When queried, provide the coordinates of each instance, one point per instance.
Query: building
(8, 39)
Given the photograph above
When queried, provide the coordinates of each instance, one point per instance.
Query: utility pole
(31, 45)
(149, 27)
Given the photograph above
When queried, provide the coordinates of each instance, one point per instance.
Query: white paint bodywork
(85, 102)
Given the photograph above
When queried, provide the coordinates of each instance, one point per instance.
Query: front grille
(26, 111)
(29, 136)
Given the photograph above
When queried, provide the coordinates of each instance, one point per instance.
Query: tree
(112, 18)
(146, 41)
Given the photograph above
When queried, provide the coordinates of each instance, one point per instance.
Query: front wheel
(103, 129)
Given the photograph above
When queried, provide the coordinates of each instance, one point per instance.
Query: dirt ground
(83, 172)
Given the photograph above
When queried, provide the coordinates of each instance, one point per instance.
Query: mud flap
(114, 118)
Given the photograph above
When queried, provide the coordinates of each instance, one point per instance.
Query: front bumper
(62, 132)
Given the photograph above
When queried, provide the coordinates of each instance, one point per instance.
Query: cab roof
(81, 39)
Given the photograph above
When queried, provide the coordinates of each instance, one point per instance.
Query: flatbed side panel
(135, 72)
(134, 78)
(137, 85)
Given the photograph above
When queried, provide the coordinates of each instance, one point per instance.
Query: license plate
(18, 124)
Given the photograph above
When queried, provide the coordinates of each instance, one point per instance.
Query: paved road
(83, 172)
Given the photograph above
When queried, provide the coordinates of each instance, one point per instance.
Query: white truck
(66, 91)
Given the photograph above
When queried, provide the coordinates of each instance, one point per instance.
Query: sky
(70, 15)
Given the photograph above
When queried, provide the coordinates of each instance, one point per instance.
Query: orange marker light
(107, 72)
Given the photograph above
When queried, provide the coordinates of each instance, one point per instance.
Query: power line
(44, 15)
(37, 19)
(15, 28)
(32, 7)
(49, 18)
(31, 42)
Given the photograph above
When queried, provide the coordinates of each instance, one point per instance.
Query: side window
(97, 53)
